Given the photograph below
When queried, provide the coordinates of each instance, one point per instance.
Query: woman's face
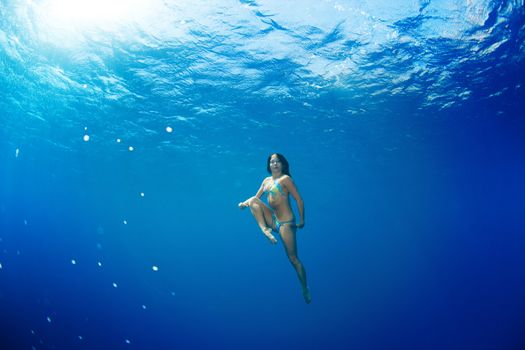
(275, 164)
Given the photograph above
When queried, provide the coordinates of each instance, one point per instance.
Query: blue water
(403, 123)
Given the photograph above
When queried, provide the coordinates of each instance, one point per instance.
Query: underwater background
(130, 131)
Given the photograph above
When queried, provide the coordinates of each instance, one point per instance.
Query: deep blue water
(404, 126)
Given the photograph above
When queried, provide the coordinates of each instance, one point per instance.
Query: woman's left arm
(290, 186)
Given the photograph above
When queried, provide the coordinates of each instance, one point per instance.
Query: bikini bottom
(278, 223)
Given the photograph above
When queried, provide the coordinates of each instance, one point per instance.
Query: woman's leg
(263, 216)
(290, 245)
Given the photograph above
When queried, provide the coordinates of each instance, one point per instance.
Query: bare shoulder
(286, 180)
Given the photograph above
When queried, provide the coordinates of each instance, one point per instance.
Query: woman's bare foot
(307, 296)
(268, 233)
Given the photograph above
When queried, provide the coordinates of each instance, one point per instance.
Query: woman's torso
(278, 198)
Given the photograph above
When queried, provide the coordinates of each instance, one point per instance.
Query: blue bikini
(271, 191)
(278, 223)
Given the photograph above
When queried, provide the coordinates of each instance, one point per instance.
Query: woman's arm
(259, 193)
(290, 185)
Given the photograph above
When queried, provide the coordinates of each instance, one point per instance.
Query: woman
(279, 218)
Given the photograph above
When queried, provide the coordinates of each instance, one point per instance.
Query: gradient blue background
(403, 125)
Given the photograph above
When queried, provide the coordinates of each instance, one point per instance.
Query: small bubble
(127, 341)
(125, 222)
(131, 148)
(142, 194)
(17, 153)
(84, 86)
(80, 337)
(115, 285)
(169, 129)
(155, 268)
(86, 138)
(144, 307)
(99, 264)
(48, 319)
(25, 222)
(73, 261)
(85, 128)
(118, 140)
(1, 267)
(32, 331)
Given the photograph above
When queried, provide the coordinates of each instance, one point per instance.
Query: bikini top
(274, 189)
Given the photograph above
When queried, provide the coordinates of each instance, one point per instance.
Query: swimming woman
(279, 217)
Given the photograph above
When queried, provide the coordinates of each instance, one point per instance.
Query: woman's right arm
(259, 193)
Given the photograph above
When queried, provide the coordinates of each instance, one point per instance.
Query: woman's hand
(242, 205)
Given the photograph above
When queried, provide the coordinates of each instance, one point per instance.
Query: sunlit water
(130, 130)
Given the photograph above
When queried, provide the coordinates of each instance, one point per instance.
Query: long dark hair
(284, 162)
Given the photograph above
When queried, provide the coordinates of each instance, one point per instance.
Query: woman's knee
(294, 259)
(254, 201)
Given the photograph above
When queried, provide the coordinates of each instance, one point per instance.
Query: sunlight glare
(75, 12)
